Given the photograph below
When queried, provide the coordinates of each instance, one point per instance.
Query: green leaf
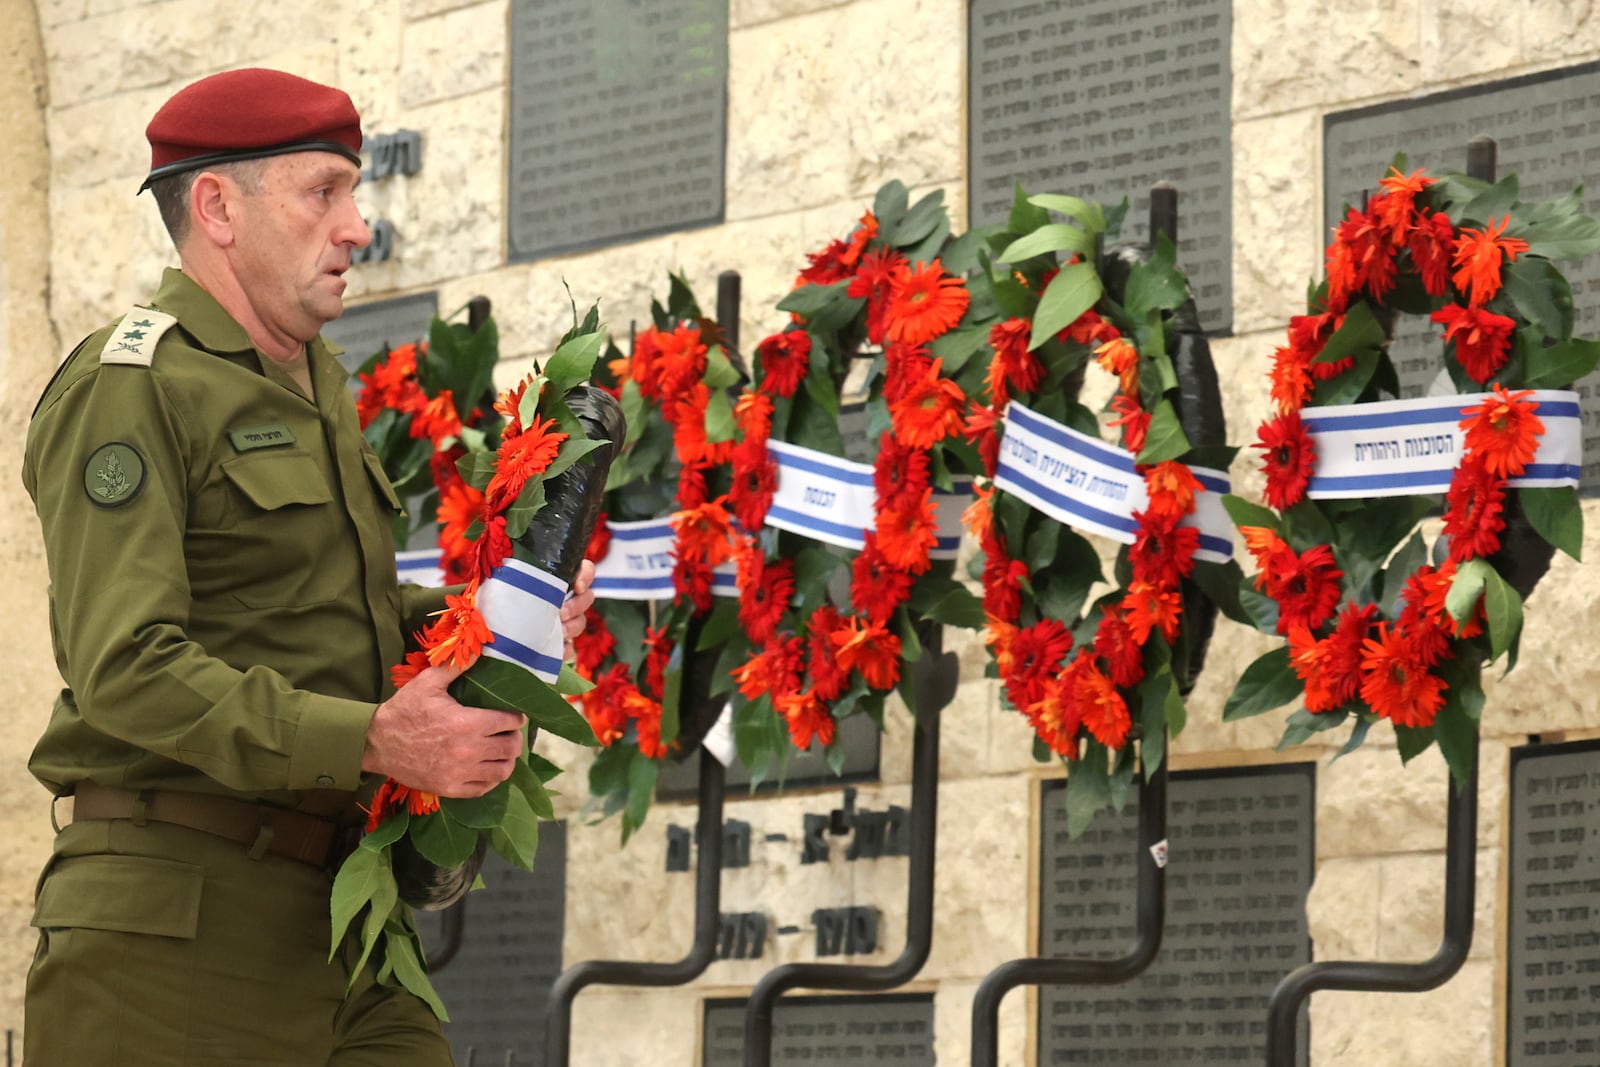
(1358, 736)
(357, 883)
(1569, 237)
(495, 683)
(720, 625)
(1262, 609)
(807, 300)
(1381, 529)
(1025, 215)
(1540, 294)
(1155, 283)
(402, 955)
(1360, 330)
(1267, 683)
(569, 683)
(889, 206)
(383, 904)
(516, 839)
(1556, 515)
(1069, 294)
(573, 363)
(1504, 607)
(921, 221)
(1243, 513)
(390, 830)
(1165, 438)
(1085, 211)
(1402, 565)
(642, 774)
(958, 346)
(480, 813)
(1088, 792)
(1412, 741)
(1221, 582)
(442, 840)
(1303, 725)
(1466, 589)
(1493, 201)
(720, 373)
(1053, 237)
(572, 450)
(719, 418)
(959, 607)
(1347, 388)
(1560, 365)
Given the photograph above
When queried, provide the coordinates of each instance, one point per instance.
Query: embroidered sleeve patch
(114, 474)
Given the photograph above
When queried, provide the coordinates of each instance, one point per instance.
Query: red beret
(249, 114)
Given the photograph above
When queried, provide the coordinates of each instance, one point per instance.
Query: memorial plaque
(1547, 127)
(859, 736)
(1242, 856)
(619, 120)
(367, 329)
(849, 1031)
(1102, 99)
(496, 986)
(1553, 985)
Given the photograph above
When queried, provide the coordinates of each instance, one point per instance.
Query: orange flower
(459, 635)
(522, 458)
(1118, 356)
(753, 415)
(1395, 207)
(392, 797)
(1308, 657)
(646, 714)
(1477, 260)
(1104, 712)
(871, 649)
(924, 302)
(907, 531)
(930, 409)
(1395, 682)
(1435, 586)
(705, 534)
(509, 405)
(1000, 636)
(437, 420)
(1266, 546)
(1481, 338)
(1134, 420)
(808, 718)
(1013, 366)
(1172, 487)
(775, 669)
(1149, 607)
(680, 362)
(1291, 380)
(1503, 431)
(414, 664)
(979, 515)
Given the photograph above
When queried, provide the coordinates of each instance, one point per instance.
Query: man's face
(293, 238)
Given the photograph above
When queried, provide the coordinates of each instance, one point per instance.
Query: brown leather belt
(292, 835)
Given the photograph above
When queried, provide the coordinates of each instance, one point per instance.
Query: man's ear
(213, 203)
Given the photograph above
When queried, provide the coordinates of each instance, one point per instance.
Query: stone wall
(827, 100)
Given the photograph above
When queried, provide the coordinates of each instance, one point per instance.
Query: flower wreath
(420, 409)
(674, 391)
(1087, 681)
(1403, 635)
(803, 645)
(543, 438)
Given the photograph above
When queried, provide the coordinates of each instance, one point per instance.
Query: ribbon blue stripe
(1554, 409)
(530, 658)
(604, 584)
(1213, 483)
(1055, 433)
(644, 533)
(947, 544)
(529, 583)
(808, 522)
(1066, 503)
(1437, 479)
(1550, 470)
(816, 466)
(1220, 545)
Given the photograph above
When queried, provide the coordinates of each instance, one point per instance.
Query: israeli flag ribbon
(638, 564)
(1412, 447)
(420, 566)
(521, 604)
(833, 500)
(1092, 486)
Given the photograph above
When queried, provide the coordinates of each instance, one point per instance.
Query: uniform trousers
(162, 946)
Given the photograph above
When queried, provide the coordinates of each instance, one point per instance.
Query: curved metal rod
(707, 905)
(1149, 922)
(933, 685)
(1460, 894)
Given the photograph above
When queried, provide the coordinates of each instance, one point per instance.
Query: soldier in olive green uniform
(225, 610)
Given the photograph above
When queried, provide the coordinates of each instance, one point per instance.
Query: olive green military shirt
(223, 598)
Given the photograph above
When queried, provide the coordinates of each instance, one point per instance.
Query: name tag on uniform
(268, 436)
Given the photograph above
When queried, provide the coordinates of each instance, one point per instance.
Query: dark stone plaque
(496, 986)
(1547, 127)
(1553, 985)
(367, 329)
(858, 734)
(1101, 99)
(849, 1031)
(619, 120)
(1242, 856)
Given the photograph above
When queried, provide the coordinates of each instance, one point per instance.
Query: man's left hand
(577, 606)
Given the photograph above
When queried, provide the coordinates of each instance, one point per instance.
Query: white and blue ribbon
(1093, 487)
(1412, 447)
(521, 604)
(420, 566)
(638, 564)
(833, 500)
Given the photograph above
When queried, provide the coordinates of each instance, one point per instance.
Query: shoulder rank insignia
(133, 340)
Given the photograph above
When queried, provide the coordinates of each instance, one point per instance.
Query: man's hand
(423, 738)
(577, 605)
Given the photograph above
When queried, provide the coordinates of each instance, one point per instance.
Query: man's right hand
(421, 737)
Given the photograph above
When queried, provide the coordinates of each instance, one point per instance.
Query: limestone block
(607, 916)
(455, 54)
(421, 9)
(103, 141)
(1288, 55)
(981, 886)
(107, 252)
(55, 12)
(1480, 38)
(1452, 1026)
(1342, 909)
(618, 1027)
(1277, 225)
(791, 145)
(370, 61)
(507, 290)
(899, 728)
(952, 1024)
(1411, 906)
(1559, 28)
(1369, 805)
(742, 13)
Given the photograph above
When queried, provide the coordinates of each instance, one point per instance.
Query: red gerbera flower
(604, 705)
(646, 716)
(1119, 356)
(1431, 242)
(899, 471)
(414, 664)
(827, 266)
(1288, 457)
(1113, 642)
(593, 645)
(1104, 712)
(705, 534)
(808, 718)
(1503, 432)
(460, 633)
(1291, 379)
(924, 302)
(1473, 515)
(1013, 368)
(1002, 585)
(753, 415)
(929, 411)
(1037, 652)
(492, 548)
(1435, 591)
(392, 797)
(979, 428)
(1133, 419)
(775, 669)
(1055, 717)
(1478, 259)
(877, 586)
(1395, 682)
(755, 479)
(1162, 552)
(1150, 607)
(782, 362)
(1308, 592)
(764, 592)
(1171, 487)
(871, 282)
(907, 531)
(1482, 339)
(521, 458)
(869, 648)
(828, 679)
(1308, 336)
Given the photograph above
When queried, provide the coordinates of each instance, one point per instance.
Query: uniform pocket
(381, 480)
(274, 480)
(129, 894)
